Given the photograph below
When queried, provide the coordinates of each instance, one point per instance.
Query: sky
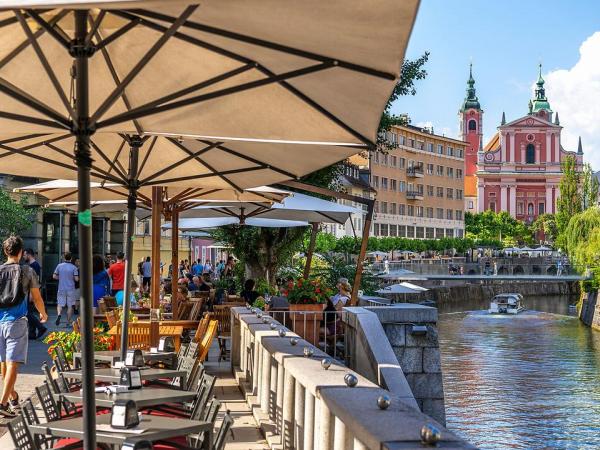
(506, 41)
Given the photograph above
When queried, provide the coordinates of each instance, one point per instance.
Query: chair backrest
(77, 325)
(207, 340)
(193, 349)
(29, 413)
(61, 359)
(196, 309)
(183, 350)
(49, 406)
(202, 326)
(49, 378)
(110, 302)
(138, 335)
(21, 436)
(186, 364)
(184, 309)
(209, 414)
(219, 441)
(223, 315)
(112, 317)
(193, 382)
(205, 389)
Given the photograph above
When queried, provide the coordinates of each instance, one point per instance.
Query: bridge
(500, 277)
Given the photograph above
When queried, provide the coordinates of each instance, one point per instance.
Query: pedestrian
(17, 283)
(67, 275)
(220, 268)
(207, 267)
(101, 281)
(146, 274)
(228, 270)
(117, 274)
(36, 328)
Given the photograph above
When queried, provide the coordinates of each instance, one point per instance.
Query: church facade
(519, 169)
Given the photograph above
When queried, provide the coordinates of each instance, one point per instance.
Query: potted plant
(69, 341)
(307, 299)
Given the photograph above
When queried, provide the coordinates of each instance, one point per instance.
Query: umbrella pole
(362, 253)
(80, 51)
(311, 249)
(155, 282)
(135, 144)
(174, 261)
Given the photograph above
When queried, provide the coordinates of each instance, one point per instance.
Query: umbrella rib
(207, 165)
(30, 119)
(116, 35)
(38, 157)
(108, 161)
(253, 160)
(60, 197)
(22, 97)
(95, 25)
(306, 99)
(113, 72)
(50, 29)
(190, 156)
(204, 175)
(116, 93)
(327, 216)
(267, 44)
(181, 195)
(45, 64)
(137, 113)
(195, 194)
(147, 155)
(22, 138)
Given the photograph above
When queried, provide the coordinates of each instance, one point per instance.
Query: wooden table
(114, 375)
(157, 428)
(112, 356)
(143, 398)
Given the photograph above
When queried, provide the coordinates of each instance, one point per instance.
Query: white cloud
(575, 94)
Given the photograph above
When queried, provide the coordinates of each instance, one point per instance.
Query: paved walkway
(245, 434)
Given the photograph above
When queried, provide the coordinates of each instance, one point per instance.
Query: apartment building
(419, 185)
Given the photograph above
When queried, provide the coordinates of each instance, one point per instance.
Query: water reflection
(525, 381)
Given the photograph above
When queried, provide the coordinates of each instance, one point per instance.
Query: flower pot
(306, 321)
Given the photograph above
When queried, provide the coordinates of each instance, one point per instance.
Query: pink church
(519, 169)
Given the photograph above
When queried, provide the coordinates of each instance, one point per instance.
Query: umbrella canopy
(401, 288)
(57, 191)
(213, 222)
(376, 254)
(294, 207)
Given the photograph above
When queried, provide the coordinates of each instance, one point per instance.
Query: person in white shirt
(340, 299)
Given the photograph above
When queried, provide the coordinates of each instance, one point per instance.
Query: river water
(529, 381)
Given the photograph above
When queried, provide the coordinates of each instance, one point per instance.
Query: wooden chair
(207, 340)
(196, 309)
(219, 440)
(223, 316)
(110, 302)
(112, 317)
(184, 309)
(138, 336)
(202, 327)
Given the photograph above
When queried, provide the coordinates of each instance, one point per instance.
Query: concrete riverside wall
(418, 355)
(590, 310)
(301, 405)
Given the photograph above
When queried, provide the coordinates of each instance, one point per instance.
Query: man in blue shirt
(36, 329)
(13, 319)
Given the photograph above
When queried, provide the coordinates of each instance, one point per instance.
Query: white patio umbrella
(266, 75)
(376, 254)
(401, 288)
(213, 222)
(294, 207)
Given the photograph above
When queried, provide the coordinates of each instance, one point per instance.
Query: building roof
(493, 144)
(427, 133)
(471, 100)
(470, 186)
(540, 100)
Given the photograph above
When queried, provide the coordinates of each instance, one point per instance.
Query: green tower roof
(471, 100)
(540, 101)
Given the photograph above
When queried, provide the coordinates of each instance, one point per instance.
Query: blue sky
(505, 40)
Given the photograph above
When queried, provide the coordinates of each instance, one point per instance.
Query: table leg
(183, 382)
(208, 442)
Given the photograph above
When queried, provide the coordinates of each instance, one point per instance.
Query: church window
(541, 208)
(493, 206)
(530, 209)
(472, 125)
(530, 154)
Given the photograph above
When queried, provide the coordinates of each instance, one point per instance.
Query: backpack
(11, 285)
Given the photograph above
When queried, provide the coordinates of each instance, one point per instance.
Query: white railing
(310, 407)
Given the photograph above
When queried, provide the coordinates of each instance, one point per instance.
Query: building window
(402, 230)
(376, 229)
(439, 233)
(420, 233)
(384, 183)
(449, 214)
(411, 210)
(459, 194)
(429, 213)
(419, 211)
(530, 154)
(384, 208)
(530, 209)
(429, 169)
(393, 208)
(420, 145)
(492, 206)
(429, 233)
(420, 189)
(402, 163)
(430, 191)
(459, 173)
(376, 182)
(440, 171)
(449, 151)
(458, 215)
(450, 172)
(520, 208)
(384, 229)
(393, 230)
(393, 161)
(470, 204)
(393, 184)
(402, 140)
(402, 186)
(385, 159)
(401, 209)
(472, 125)
(449, 232)
(450, 193)
(411, 143)
(440, 213)
(430, 147)
(459, 152)
(410, 232)
(440, 149)
(541, 208)
(376, 208)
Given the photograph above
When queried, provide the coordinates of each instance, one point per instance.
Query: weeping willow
(582, 237)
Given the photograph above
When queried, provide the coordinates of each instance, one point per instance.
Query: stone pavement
(244, 436)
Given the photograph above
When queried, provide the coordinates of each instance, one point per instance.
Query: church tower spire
(471, 115)
(540, 105)
(471, 100)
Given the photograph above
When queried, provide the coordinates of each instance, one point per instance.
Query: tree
(569, 201)
(15, 216)
(490, 225)
(546, 223)
(589, 187)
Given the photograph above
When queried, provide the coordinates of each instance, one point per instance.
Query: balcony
(415, 172)
(414, 195)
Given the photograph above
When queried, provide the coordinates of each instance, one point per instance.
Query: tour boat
(507, 304)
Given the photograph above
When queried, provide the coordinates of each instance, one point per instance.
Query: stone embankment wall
(448, 296)
(590, 310)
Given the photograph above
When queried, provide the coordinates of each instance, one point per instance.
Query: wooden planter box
(306, 321)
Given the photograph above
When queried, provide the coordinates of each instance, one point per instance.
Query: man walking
(67, 275)
(117, 274)
(36, 329)
(146, 274)
(17, 283)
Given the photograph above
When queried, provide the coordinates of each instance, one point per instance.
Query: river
(529, 381)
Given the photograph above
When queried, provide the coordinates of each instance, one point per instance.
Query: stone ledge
(405, 312)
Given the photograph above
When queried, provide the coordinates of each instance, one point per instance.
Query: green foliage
(589, 187)
(569, 202)
(546, 223)
(501, 226)
(336, 268)
(15, 216)
(582, 237)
